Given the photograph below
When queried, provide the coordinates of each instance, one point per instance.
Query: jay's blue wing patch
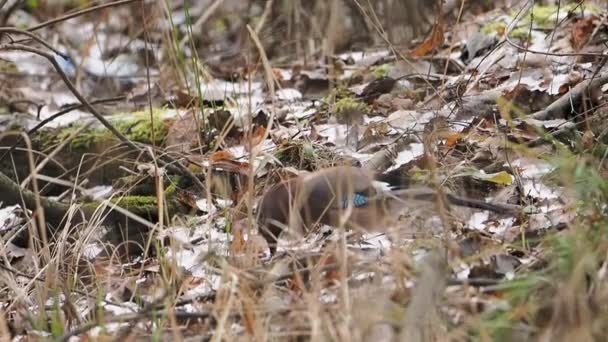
(358, 200)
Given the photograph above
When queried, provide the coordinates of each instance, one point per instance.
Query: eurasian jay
(343, 196)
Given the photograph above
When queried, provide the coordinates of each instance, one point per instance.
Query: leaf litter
(453, 113)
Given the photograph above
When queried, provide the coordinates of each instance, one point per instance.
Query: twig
(7, 13)
(495, 58)
(70, 86)
(382, 159)
(132, 317)
(69, 109)
(422, 321)
(201, 20)
(226, 308)
(169, 164)
(381, 32)
(34, 37)
(56, 151)
(78, 13)
(265, 14)
(558, 107)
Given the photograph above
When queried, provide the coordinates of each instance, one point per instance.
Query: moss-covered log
(122, 227)
(94, 153)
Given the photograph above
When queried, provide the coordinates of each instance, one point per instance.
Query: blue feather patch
(358, 200)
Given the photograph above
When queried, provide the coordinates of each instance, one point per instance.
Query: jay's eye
(358, 200)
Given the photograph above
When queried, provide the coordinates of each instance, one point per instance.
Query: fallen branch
(384, 158)
(79, 13)
(422, 321)
(12, 194)
(55, 116)
(169, 163)
(558, 108)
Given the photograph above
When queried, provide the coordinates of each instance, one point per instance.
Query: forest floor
(145, 155)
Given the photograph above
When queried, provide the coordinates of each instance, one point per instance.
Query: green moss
(220, 25)
(138, 204)
(338, 99)
(144, 206)
(139, 128)
(305, 155)
(171, 188)
(545, 18)
(381, 70)
(308, 152)
(291, 153)
(31, 5)
(348, 103)
(339, 92)
(8, 67)
(83, 141)
(136, 127)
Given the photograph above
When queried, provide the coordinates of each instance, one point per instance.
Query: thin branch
(177, 168)
(55, 116)
(79, 13)
(561, 105)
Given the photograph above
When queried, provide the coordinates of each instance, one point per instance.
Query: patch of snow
(107, 328)
(409, 119)
(537, 189)
(532, 167)
(125, 308)
(328, 297)
(478, 220)
(419, 254)
(300, 111)
(289, 94)
(503, 225)
(99, 192)
(9, 217)
(211, 282)
(204, 205)
(361, 56)
(379, 241)
(462, 271)
(92, 250)
(413, 151)
(557, 82)
(334, 133)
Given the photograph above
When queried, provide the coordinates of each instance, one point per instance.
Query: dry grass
(336, 288)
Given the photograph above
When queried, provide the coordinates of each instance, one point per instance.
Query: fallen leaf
(582, 31)
(432, 42)
(221, 155)
(501, 177)
(183, 133)
(453, 138)
(255, 138)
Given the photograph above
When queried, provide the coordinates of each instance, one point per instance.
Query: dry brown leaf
(187, 198)
(452, 138)
(183, 133)
(232, 166)
(256, 137)
(277, 74)
(588, 140)
(179, 98)
(237, 246)
(432, 42)
(582, 31)
(221, 156)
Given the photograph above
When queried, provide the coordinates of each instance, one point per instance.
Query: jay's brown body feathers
(343, 196)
